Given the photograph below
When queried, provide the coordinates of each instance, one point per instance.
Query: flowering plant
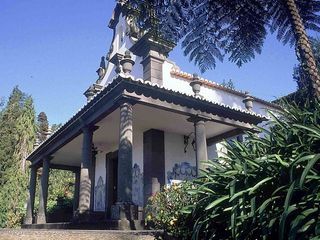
(165, 210)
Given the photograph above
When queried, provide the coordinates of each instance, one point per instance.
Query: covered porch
(122, 146)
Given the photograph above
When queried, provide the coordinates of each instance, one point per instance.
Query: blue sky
(51, 50)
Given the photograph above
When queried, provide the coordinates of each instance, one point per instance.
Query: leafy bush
(13, 199)
(264, 188)
(61, 184)
(60, 195)
(164, 210)
(60, 210)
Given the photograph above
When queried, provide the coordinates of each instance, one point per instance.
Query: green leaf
(238, 194)
(314, 130)
(302, 221)
(307, 169)
(255, 187)
(283, 163)
(287, 210)
(289, 195)
(216, 202)
(283, 219)
(266, 203)
(302, 159)
(187, 209)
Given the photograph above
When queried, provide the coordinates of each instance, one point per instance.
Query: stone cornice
(211, 84)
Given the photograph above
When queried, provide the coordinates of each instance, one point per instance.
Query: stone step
(42, 234)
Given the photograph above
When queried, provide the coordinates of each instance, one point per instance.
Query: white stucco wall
(174, 152)
(137, 153)
(120, 44)
(137, 158)
(100, 167)
(172, 83)
(100, 172)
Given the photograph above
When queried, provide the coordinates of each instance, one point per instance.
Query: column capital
(124, 98)
(88, 128)
(198, 118)
(47, 158)
(33, 167)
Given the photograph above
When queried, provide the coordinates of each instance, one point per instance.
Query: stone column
(31, 196)
(124, 208)
(124, 191)
(43, 192)
(201, 144)
(76, 191)
(86, 164)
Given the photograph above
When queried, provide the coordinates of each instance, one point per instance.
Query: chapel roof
(155, 91)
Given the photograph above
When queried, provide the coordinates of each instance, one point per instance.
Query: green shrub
(264, 188)
(60, 210)
(13, 199)
(164, 210)
(60, 196)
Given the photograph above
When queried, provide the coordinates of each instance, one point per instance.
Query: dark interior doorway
(112, 180)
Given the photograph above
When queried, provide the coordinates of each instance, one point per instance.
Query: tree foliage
(60, 195)
(228, 84)
(213, 29)
(43, 126)
(264, 188)
(55, 127)
(17, 131)
(299, 75)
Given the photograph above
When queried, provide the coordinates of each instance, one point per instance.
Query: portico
(128, 110)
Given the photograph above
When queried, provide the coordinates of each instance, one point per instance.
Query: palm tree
(291, 17)
(211, 29)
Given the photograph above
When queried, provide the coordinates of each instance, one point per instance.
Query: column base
(81, 217)
(28, 220)
(125, 224)
(41, 219)
(124, 211)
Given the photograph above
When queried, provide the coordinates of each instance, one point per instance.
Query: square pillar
(153, 68)
(153, 162)
(124, 208)
(153, 51)
(31, 195)
(43, 193)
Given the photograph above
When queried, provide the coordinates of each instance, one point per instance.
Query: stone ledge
(40, 234)
(101, 225)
